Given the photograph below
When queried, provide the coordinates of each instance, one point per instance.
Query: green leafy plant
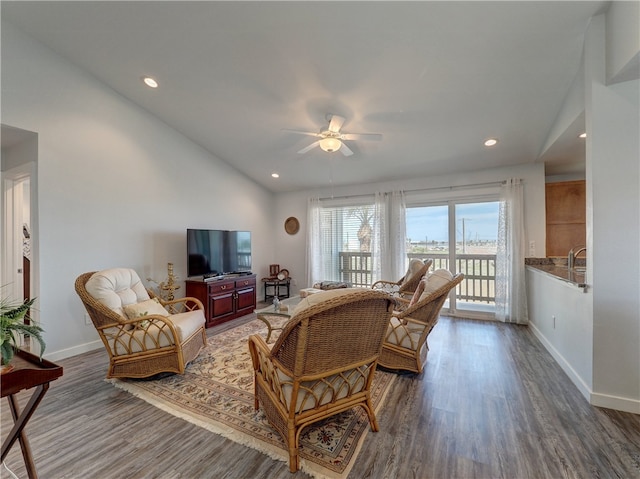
(12, 325)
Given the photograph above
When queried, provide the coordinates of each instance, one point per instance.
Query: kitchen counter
(557, 268)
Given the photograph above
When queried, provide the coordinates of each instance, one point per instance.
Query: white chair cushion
(405, 335)
(435, 280)
(321, 297)
(187, 323)
(415, 265)
(316, 393)
(116, 288)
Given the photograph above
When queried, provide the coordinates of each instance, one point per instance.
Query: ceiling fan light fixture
(330, 144)
(150, 82)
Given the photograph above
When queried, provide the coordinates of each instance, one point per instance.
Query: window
(345, 240)
(461, 237)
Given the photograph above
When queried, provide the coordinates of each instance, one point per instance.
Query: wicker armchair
(405, 345)
(323, 362)
(406, 285)
(150, 343)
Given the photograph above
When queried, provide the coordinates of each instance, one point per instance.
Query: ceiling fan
(331, 139)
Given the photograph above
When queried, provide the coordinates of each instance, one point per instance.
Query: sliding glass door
(461, 237)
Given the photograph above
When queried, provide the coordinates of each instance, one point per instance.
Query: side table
(279, 288)
(28, 372)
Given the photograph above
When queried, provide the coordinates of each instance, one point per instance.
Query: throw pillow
(145, 308)
(436, 280)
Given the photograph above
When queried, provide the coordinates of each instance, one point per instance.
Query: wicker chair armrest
(382, 284)
(267, 367)
(138, 335)
(401, 305)
(182, 305)
(257, 347)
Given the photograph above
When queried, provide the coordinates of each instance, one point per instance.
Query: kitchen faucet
(571, 258)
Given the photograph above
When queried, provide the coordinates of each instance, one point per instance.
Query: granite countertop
(557, 267)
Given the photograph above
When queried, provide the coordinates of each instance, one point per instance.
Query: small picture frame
(274, 269)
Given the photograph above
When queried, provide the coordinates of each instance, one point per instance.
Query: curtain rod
(420, 190)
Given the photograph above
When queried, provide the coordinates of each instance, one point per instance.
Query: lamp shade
(330, 144)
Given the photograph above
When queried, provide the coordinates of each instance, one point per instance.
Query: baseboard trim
(595, 399)
(576, 379)
(74, 351)
(614, 402)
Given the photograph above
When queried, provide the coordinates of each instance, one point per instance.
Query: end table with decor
(278, 284)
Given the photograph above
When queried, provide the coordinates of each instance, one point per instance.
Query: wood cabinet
(566, 206)
(224, 299)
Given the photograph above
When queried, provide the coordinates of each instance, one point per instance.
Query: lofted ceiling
(435, 79)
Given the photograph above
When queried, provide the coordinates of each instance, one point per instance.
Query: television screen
(212, 252)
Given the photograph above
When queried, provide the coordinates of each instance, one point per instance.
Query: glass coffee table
(275, 320)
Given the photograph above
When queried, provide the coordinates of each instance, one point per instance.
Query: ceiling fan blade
(336, 123)
(345, 150)
(310, 147)
(300, 132)
(361, 136)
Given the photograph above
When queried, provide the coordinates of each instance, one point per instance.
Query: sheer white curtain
(397, 235)
(511, 299)
(380, 262)
(388, 247)
(315, 268)
(328, 229)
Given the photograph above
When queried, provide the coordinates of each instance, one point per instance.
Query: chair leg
(294, 459)
(372, 417)
(256, 402)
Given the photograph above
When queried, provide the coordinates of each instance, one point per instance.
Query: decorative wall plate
(283, 274)
(292, 225)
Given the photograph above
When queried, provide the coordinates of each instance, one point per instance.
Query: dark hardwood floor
(491, 403)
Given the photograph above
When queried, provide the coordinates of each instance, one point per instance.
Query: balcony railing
(479, 285)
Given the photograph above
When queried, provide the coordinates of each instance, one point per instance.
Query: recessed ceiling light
(582, 135)
(275, 175)
(150, 82)
(490, 142)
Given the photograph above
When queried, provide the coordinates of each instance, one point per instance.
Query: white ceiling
(434, 78)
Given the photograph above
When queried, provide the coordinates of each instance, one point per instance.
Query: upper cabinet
(566, 206)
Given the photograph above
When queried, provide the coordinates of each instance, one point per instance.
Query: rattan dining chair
(322, 363)
(406, 286)
(405, 345)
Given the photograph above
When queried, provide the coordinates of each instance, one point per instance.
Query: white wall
(560, 316)
(613, 156)
(116, 186)
(622, 41)
(597, 338)
(290, 251)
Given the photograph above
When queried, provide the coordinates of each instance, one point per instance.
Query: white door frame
(14, 182)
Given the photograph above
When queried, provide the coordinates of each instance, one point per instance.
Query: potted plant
(12, 325)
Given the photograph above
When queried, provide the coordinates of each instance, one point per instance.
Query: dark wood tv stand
(224, 299)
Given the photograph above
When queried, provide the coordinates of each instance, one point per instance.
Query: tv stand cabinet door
(221, 302)
(245, 296)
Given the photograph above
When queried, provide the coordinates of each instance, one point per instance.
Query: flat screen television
(214, 252)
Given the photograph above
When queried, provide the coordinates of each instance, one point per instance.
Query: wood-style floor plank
(491, 403)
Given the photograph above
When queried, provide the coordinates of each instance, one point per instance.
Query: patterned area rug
(216, 393)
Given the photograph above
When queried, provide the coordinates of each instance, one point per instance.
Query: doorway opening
(19, 276)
